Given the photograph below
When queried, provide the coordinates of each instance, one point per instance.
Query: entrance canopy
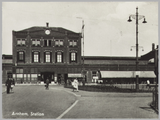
(75, 75)
(127, 74)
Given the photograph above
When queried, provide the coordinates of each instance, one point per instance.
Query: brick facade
(41, 52)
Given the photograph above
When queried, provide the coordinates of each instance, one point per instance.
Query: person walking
(8, 84)
(148, 83)
(47, 83)
(75, 84)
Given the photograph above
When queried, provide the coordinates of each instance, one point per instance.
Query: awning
(127, 74)
(147, 74)
(116, 74)
(76, 75)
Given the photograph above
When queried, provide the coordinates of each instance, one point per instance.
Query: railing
(111, 87)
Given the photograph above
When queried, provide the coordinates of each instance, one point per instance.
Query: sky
(106, 32)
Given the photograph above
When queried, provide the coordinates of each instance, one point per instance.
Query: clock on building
(47, 32)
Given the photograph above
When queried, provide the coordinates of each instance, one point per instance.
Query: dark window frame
(20, 56)
(47, 42)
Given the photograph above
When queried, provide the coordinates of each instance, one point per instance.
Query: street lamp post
(137, 17)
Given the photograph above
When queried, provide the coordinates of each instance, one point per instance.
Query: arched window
(20, 56)
(59, 57)
(73, 56)
(35, 57)
(47, 57)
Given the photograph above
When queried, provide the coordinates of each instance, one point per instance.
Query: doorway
(49, 75)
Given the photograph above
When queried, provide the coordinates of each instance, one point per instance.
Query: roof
(7, 56)
(149, 55)
(108, 58)
(115, 62)
(40, 28)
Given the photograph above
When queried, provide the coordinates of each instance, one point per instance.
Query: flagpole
(83, 71)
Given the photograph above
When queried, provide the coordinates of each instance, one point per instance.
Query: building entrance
(49, 75)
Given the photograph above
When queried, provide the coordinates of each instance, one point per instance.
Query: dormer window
(35, 42)
(59, 43)
(21, 42)
(72, 43)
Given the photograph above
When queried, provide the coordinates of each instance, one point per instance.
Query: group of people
(10, 83)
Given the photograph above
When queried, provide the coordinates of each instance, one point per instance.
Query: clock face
(47, 32)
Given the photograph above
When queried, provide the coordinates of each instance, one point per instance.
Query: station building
(45, 52)
(54, 52)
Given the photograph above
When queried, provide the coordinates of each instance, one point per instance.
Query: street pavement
(59, 102)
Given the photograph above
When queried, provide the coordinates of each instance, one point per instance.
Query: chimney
(153, 46)
(47, 24)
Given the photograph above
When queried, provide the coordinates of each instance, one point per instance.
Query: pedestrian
(12, 84)
(75, 84)
(59, 80)
(148, 84)
(8, 85)
(47, 83)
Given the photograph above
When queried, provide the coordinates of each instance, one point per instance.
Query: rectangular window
(36, 42)
(47, 43)
(59, 57)
(58, 42)
(73, 56)
(20, 55)
(48, 57)
(61, 43)
(19, 78)
(36, 57)
(33, 77)
(19, 70)
(18, 41)
(21, 42)
(72, 43)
